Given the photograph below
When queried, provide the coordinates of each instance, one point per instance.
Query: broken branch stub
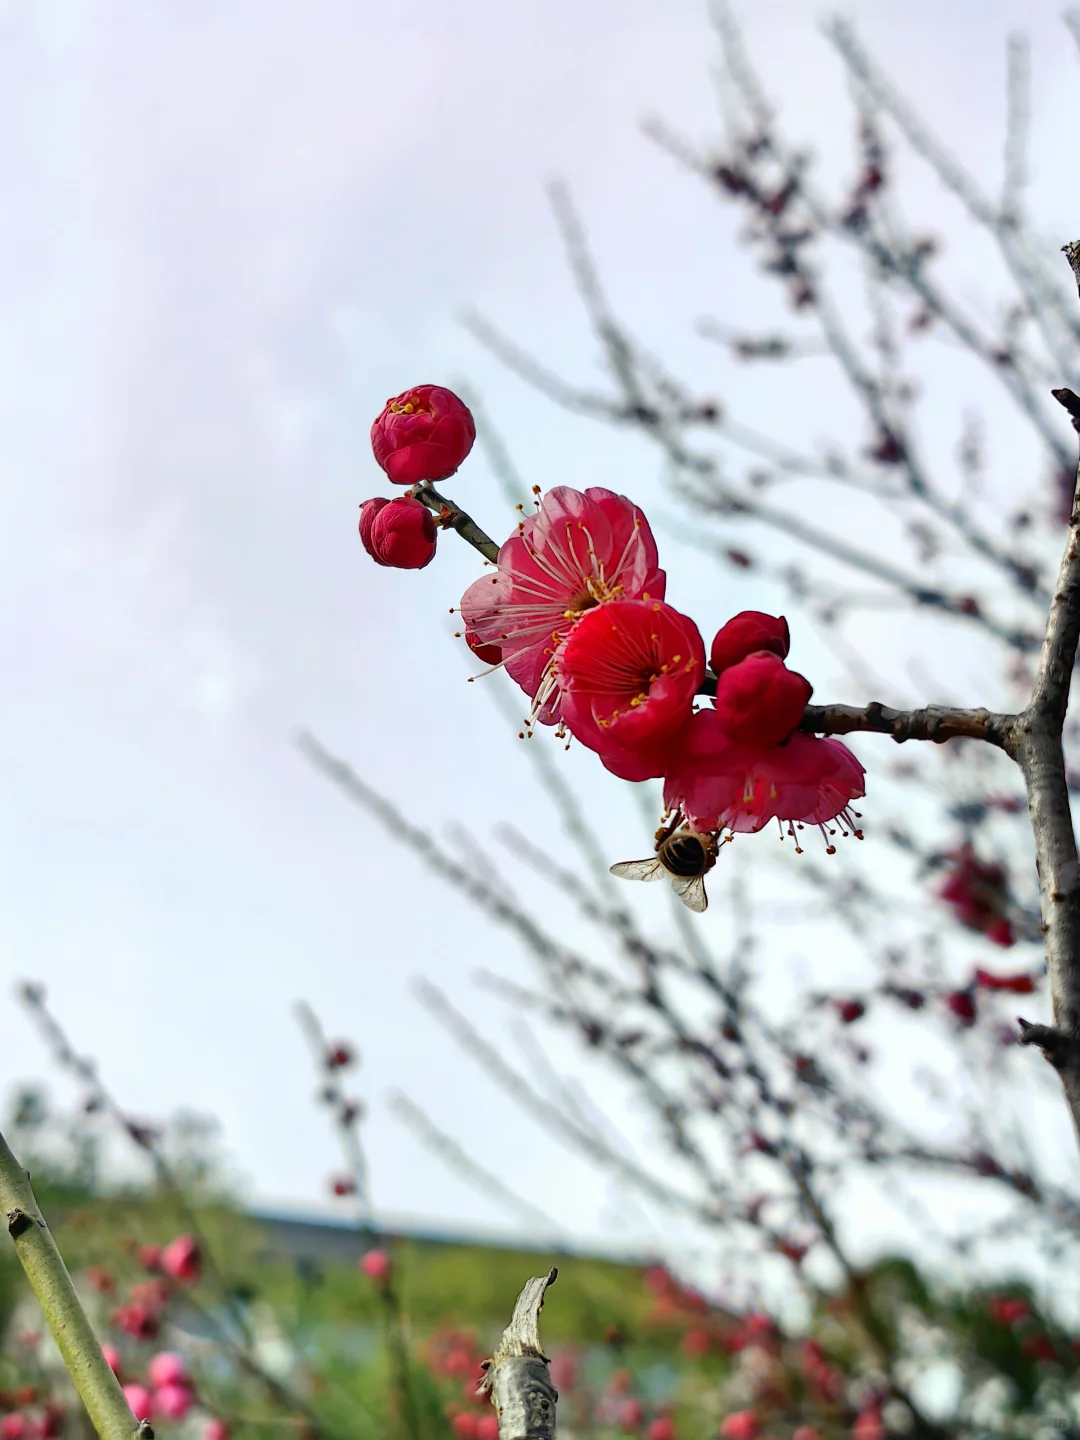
(518, 1374)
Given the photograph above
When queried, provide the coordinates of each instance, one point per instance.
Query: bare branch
(98, 1387)
(453, 517)
(462, 1164)
(1017, 125)
(932, 722)
(1040, 755)
(518, 1375)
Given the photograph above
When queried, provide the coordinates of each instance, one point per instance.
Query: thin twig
(454, 518)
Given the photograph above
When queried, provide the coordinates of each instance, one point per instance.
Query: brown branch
(1040, 755)
(454, 518)
(933, 722)
(518, 1376)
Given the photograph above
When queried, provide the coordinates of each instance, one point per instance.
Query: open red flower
(399, 533)
(422, 434)
(581, 549)
(628, 672)
(721, 784)
(745, 633)
(759, 700)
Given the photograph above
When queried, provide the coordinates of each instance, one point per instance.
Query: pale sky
(230, 231)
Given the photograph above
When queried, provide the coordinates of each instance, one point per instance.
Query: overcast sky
(230, 230)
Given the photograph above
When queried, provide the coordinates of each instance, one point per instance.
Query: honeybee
(683, 856)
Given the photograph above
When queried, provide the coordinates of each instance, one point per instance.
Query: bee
(683, 856)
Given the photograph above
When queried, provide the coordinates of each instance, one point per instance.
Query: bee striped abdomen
(684, 855)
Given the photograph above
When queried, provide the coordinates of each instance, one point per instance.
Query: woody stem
(98, 1387)
(454, 518)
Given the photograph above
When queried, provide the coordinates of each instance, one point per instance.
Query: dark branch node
(1057, 1046)
(1071, 402)
(17, 1222)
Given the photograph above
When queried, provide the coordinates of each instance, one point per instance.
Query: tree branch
(933, 722)
(518, 1376)
(1040, 755)
(454, 518)
(98, 1387)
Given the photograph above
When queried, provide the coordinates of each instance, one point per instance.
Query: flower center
(412, 406)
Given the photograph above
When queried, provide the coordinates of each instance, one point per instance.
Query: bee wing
(649, 869)
(691, 891)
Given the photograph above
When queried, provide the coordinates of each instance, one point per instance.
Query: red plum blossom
(745, 634)
(760, 701)
(182, 1259)
(140, 1401)
(422, 434)
(628, 673)
(581, 549)
(398, 533)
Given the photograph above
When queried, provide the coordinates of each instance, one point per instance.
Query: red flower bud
(661, 1429)
(182, 1260)
(760, 701)
(658, 1280)
(1008, 1311)
(172, 1402)
(51, 1423)
(695, 1344)
(795, 1253)
(962, 1004)
(869, 1425)
(376, 1265)
(167, 1368)
(913, 999)
(150, 1257)
(422, 434)
(338, 1056)
(399, 533)
(743, 1425)
(140, 1400)
(630, 1416)
(1039, 1347)
(137, 1321)
(1000, 932)
(343, 1185)
(850, 1011)
(745, 633)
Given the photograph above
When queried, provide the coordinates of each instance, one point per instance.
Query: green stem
(397, 1345)
(98, 1387)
